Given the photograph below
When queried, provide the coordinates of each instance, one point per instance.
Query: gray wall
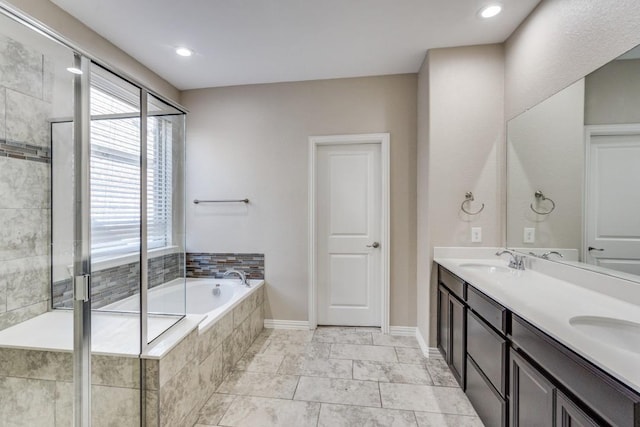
(561, 42)
(546, 152)
(612, 94)
(460, 149)
(252, 141)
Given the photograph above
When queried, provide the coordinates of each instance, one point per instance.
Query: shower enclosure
(91, 222)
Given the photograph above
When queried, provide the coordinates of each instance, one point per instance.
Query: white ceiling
(263, 41)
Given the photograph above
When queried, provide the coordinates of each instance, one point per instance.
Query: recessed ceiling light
(74, 70)
(490, 11)
(183, 51)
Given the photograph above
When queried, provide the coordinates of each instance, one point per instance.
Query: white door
(613, 202)
(348, 234)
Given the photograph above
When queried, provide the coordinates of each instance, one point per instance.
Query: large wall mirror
(573, 173)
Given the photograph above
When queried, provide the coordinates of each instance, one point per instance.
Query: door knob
(591, 248)
(374, 245)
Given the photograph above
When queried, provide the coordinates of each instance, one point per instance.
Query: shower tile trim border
(23, 151)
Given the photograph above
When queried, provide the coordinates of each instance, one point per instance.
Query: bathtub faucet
(241, 275)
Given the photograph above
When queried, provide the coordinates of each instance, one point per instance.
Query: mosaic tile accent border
(200, 264)
(116, 283)
(19, 150)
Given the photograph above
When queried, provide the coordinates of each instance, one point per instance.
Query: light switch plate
(476, 234)
(529, 235)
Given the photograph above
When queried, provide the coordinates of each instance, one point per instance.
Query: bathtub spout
(241, 275)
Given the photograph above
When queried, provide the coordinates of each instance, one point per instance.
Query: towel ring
(468, 198)
(540, 196)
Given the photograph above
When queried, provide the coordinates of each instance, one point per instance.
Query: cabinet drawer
(611, 400)
(492, 312)
(454, 283)
(490, 406)
(488, 350)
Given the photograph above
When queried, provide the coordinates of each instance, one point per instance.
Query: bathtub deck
(115, 334)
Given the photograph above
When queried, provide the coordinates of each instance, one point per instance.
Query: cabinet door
(443, 322)
(531, 395)
(569, 415)
(458, 341)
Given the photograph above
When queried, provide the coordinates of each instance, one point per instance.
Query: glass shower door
(166, 283)
(45, 369)
(115, 221)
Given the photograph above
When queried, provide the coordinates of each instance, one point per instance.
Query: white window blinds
(115, 173)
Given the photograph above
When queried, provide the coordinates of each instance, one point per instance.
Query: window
(115, 173)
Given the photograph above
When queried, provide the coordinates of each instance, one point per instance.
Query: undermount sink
(621, 334)
(487, 268)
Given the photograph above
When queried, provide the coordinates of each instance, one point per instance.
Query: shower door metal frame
(82, 250)
(82, 212)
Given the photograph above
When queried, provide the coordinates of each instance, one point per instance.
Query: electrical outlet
(476, 234)
(529, 235)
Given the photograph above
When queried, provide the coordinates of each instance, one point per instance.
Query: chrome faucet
(241, 275)
(547, 254)
(517, 261)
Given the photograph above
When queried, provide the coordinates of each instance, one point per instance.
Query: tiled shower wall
(201, 264)
(26, 91)
(116, 283)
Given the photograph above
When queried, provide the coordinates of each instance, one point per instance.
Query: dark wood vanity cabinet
(516, 375)
(486, 357)
(452, 324)
(598, 399)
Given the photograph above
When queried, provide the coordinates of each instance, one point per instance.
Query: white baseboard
(403, 331)
(412, 331)
(422, 343)
(286, 324)
(434, 353)
(429, 352)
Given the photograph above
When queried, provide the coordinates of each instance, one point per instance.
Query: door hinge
(81, 287)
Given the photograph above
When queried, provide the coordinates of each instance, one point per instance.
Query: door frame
(589, 132)
(385, 157)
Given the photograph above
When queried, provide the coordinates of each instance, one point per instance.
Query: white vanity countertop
(549, 303)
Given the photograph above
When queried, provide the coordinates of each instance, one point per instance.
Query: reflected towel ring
(540, 196)
(468, 198)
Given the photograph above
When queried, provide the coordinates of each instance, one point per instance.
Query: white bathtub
(202, 297)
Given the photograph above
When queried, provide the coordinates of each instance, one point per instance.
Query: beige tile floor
(335, 377)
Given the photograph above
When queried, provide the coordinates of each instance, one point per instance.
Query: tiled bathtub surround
(215, 265)
(116, 283)
(25, 107)
(38, 384)
(37, 389)
(179, 384)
